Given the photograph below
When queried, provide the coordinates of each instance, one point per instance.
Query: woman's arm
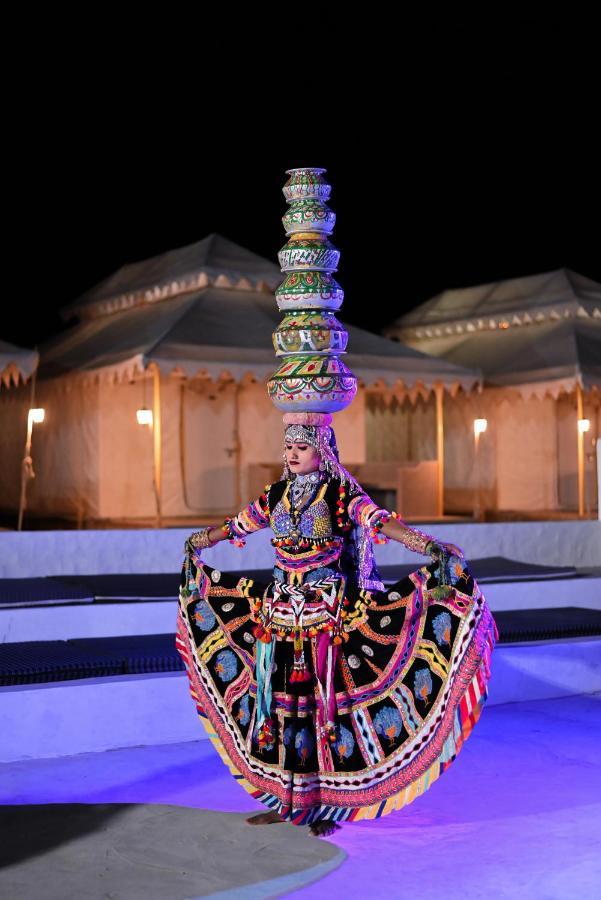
(414, 539)
(363, 511)
(253, 517)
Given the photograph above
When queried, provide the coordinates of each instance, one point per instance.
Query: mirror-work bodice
(310, 536)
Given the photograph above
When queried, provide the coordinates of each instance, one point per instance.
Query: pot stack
(310, 341)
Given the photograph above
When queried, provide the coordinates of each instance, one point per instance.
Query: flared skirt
(410, 682)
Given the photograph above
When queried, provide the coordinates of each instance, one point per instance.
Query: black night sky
(470, 179)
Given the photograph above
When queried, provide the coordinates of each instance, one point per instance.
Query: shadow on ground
(151, 851)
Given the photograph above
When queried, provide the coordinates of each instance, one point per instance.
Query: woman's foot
(267, 818)
(321, 829)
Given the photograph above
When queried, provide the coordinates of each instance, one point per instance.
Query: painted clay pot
(306, 184)
(309, 215)
(309, 290)
(312, 384)
(308, 331)
(308, 250)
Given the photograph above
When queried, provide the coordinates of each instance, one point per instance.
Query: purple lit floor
(517, 815)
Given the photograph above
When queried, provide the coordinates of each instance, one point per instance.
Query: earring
(322, 467)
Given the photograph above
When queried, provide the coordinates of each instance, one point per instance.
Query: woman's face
(301, 458)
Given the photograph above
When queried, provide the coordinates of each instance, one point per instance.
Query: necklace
(301, 493)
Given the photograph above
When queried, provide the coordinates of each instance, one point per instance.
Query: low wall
(39, 553)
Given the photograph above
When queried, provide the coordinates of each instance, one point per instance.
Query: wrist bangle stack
(377, 524)
(200, 539)
(233, 537)
(417, 540)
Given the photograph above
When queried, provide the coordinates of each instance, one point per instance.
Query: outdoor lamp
(35, 416)
(144, 416)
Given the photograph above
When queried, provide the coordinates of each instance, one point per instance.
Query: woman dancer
(330, 696)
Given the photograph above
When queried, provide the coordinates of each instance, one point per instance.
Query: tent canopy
(540, 334)
(213, 260)
(221, 332)
(16, 363)
(530, 295)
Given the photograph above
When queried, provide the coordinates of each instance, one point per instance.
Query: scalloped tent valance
(16, 363)
(218, 334)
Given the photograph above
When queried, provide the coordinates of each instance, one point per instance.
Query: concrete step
(111, 619)
(94, 714)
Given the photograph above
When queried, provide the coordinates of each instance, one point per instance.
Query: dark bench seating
(31, 662)
(74, 589)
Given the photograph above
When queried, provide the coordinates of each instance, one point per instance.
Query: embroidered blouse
(313, 536)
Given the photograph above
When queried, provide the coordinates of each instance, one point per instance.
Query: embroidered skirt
(381, 709)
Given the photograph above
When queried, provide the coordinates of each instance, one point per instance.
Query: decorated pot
(306, 184)
(312, 384)
(309, 215)
(309, 290)
(308, 250)
(308, 331)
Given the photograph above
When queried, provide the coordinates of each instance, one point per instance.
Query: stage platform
(150, 703)
(523, 795)
(42, 661)
(74, 607)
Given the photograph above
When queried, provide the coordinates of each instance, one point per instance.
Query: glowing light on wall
(144, 416)
(35, 416)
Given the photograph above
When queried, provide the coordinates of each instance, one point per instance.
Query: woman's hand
(453, 549)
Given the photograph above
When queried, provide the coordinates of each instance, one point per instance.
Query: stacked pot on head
(312, 378)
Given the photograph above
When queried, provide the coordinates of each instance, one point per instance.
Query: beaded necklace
(302, 491)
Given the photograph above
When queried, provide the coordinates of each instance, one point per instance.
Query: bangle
(417, 540)
(200, 539)
(231, 535)
(378, 522)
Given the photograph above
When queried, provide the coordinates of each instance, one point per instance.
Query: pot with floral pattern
(309, 331)
(309, 215)
(312, 384)
(308, 250)
(306, 183)
(309, 290)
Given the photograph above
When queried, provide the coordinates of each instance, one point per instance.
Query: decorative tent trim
(17, 364)
(539, 336)
(502, 322)
(212, 261)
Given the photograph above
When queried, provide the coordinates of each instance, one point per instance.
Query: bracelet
(415, 540)
(381, 517)
(234, 538)
(200, 539)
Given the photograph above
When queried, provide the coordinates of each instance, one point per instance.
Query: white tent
(537, 341)
(16, 363)
(189, 333)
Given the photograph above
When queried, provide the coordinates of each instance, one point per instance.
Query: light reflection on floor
(518, 814)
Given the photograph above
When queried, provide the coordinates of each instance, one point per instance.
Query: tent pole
(237, 446)
(439, 394)
(580, 415)
(156, 430)
(27, 464)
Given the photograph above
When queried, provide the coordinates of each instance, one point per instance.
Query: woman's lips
(293, 462)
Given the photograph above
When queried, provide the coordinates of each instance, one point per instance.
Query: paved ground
(517, 815)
